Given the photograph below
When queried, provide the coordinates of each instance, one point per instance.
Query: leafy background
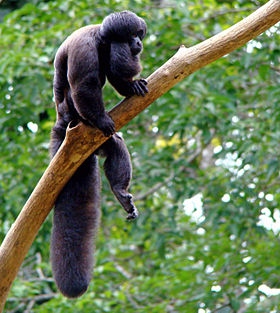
(205, 156)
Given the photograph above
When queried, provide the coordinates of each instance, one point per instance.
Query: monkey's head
(124, 26)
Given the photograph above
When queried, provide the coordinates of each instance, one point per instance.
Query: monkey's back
(74, 59)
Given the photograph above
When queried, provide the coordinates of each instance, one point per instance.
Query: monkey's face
(135, 44)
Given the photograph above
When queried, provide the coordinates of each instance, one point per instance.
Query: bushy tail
(75, 222)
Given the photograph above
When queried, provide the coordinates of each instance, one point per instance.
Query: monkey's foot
(126, 200)
(132, 215)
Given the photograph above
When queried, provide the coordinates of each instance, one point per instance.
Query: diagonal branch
(81, 140)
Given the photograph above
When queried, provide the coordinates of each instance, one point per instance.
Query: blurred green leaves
(215, 134)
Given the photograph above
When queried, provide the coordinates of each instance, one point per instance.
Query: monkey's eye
(140, 34)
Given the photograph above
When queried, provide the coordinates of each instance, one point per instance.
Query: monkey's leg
(118, 170)
(57, 136)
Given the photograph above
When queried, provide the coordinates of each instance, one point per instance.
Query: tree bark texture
(82, 140)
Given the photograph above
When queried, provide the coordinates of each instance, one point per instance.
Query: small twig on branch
(134, 304)
(154, 189)
(18, 308)
(35, 298)
(222, 307)
(31, 301)
(82, 140)
(123, 271)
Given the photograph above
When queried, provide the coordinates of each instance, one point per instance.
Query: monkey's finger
(136, 89)
(143, 87)
(142, 80)
(108, 131)
(140, 90)
(112, 131)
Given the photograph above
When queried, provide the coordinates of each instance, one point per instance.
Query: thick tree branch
(81, 140)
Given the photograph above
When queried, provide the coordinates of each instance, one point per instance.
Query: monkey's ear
(144, 27)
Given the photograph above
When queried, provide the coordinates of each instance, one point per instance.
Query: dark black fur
(82, 64)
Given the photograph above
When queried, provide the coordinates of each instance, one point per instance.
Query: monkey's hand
(139, 87)
(105, 124)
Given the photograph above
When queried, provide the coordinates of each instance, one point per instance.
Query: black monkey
(82, 64)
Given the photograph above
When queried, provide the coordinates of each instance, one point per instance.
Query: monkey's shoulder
(76, 46)
(81, 34)
(78, 38)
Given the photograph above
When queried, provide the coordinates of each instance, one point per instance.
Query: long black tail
(75, 222)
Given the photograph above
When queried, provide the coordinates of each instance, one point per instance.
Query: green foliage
(213, 137)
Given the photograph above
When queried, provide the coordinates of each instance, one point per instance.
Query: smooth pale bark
(81, 140)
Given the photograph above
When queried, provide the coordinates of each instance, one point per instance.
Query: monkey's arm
(87, 97)
(86, 90)
(121, 70)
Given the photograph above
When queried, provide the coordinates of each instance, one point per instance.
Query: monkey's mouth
(136, 50)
